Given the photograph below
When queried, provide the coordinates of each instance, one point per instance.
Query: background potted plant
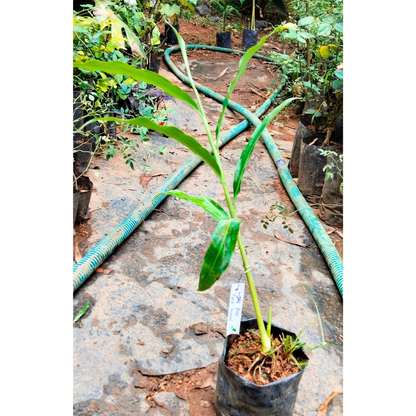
(315, 74)
(227, 234)
(172, 9)
(224, 37)
(250, 36)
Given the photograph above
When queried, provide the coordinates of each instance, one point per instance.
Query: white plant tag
(235, 308)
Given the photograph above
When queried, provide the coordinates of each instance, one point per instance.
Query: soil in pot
(311, 164)
(224, 39)
(251, 364)
(85, 188)
(170, 35)
(250, 38)
(238, 396)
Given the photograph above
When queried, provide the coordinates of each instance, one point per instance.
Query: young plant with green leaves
(225, 9)
(334, 166)
(315, 70)
(227, 233)
(172, 8)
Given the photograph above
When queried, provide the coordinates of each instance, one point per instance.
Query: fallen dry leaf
(78, 255)
(322, 410)
(340, 233)
(286, 155)
(312, 142)
(105, 271)
(206, 383)
(279, 237)
(147, 177)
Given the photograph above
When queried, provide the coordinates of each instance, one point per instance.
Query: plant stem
(253, 17)
(265, 340)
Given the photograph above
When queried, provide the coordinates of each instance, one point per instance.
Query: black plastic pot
(236, 396)
(170, 35)
(224, 40)
(301, 133)
(311, 175)
(250, 38)
(85, 189)
(76, 196)
(111, 127)
(93, 129)
(78, 112)
(154, 62)
(331, 203)
(83, 156)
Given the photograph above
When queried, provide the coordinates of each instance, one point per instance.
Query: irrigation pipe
(90, 262)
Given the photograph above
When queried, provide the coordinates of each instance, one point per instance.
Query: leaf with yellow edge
(325, 52)
(130, 81)
(333, 47)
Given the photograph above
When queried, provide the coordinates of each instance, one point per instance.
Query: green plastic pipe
(315, 226)
(91, 261)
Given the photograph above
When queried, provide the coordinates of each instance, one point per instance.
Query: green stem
(265, 340)
(253, 21)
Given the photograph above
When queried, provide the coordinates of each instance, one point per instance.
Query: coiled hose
(90, 262)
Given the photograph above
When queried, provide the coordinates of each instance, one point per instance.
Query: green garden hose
(90, 262)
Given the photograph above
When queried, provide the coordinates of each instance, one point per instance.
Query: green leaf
(337, 84)
(118, 78)
(328, 19)
(269, 321)
(306, 21)
(82, 311)
(280, 6)
(169, 10)
(339, 73)
(339, 27)
(310, 111)
(242, 66)
(207, 204)
(248, 150)
(219, 253)
(188, 5)
(149, 77)
(301, 39)
(173, 132)
(324, 29)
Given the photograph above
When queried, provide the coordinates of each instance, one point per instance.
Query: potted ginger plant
(235, 395)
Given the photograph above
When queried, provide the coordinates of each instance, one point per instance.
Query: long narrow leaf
(242, 66)
(317, 312)
(207, 204)
(219, 253)
(117, 67)
(182, 46)
(269, 321)
(248, 150)
(173, 132)
(82, 311)
(280, 6)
